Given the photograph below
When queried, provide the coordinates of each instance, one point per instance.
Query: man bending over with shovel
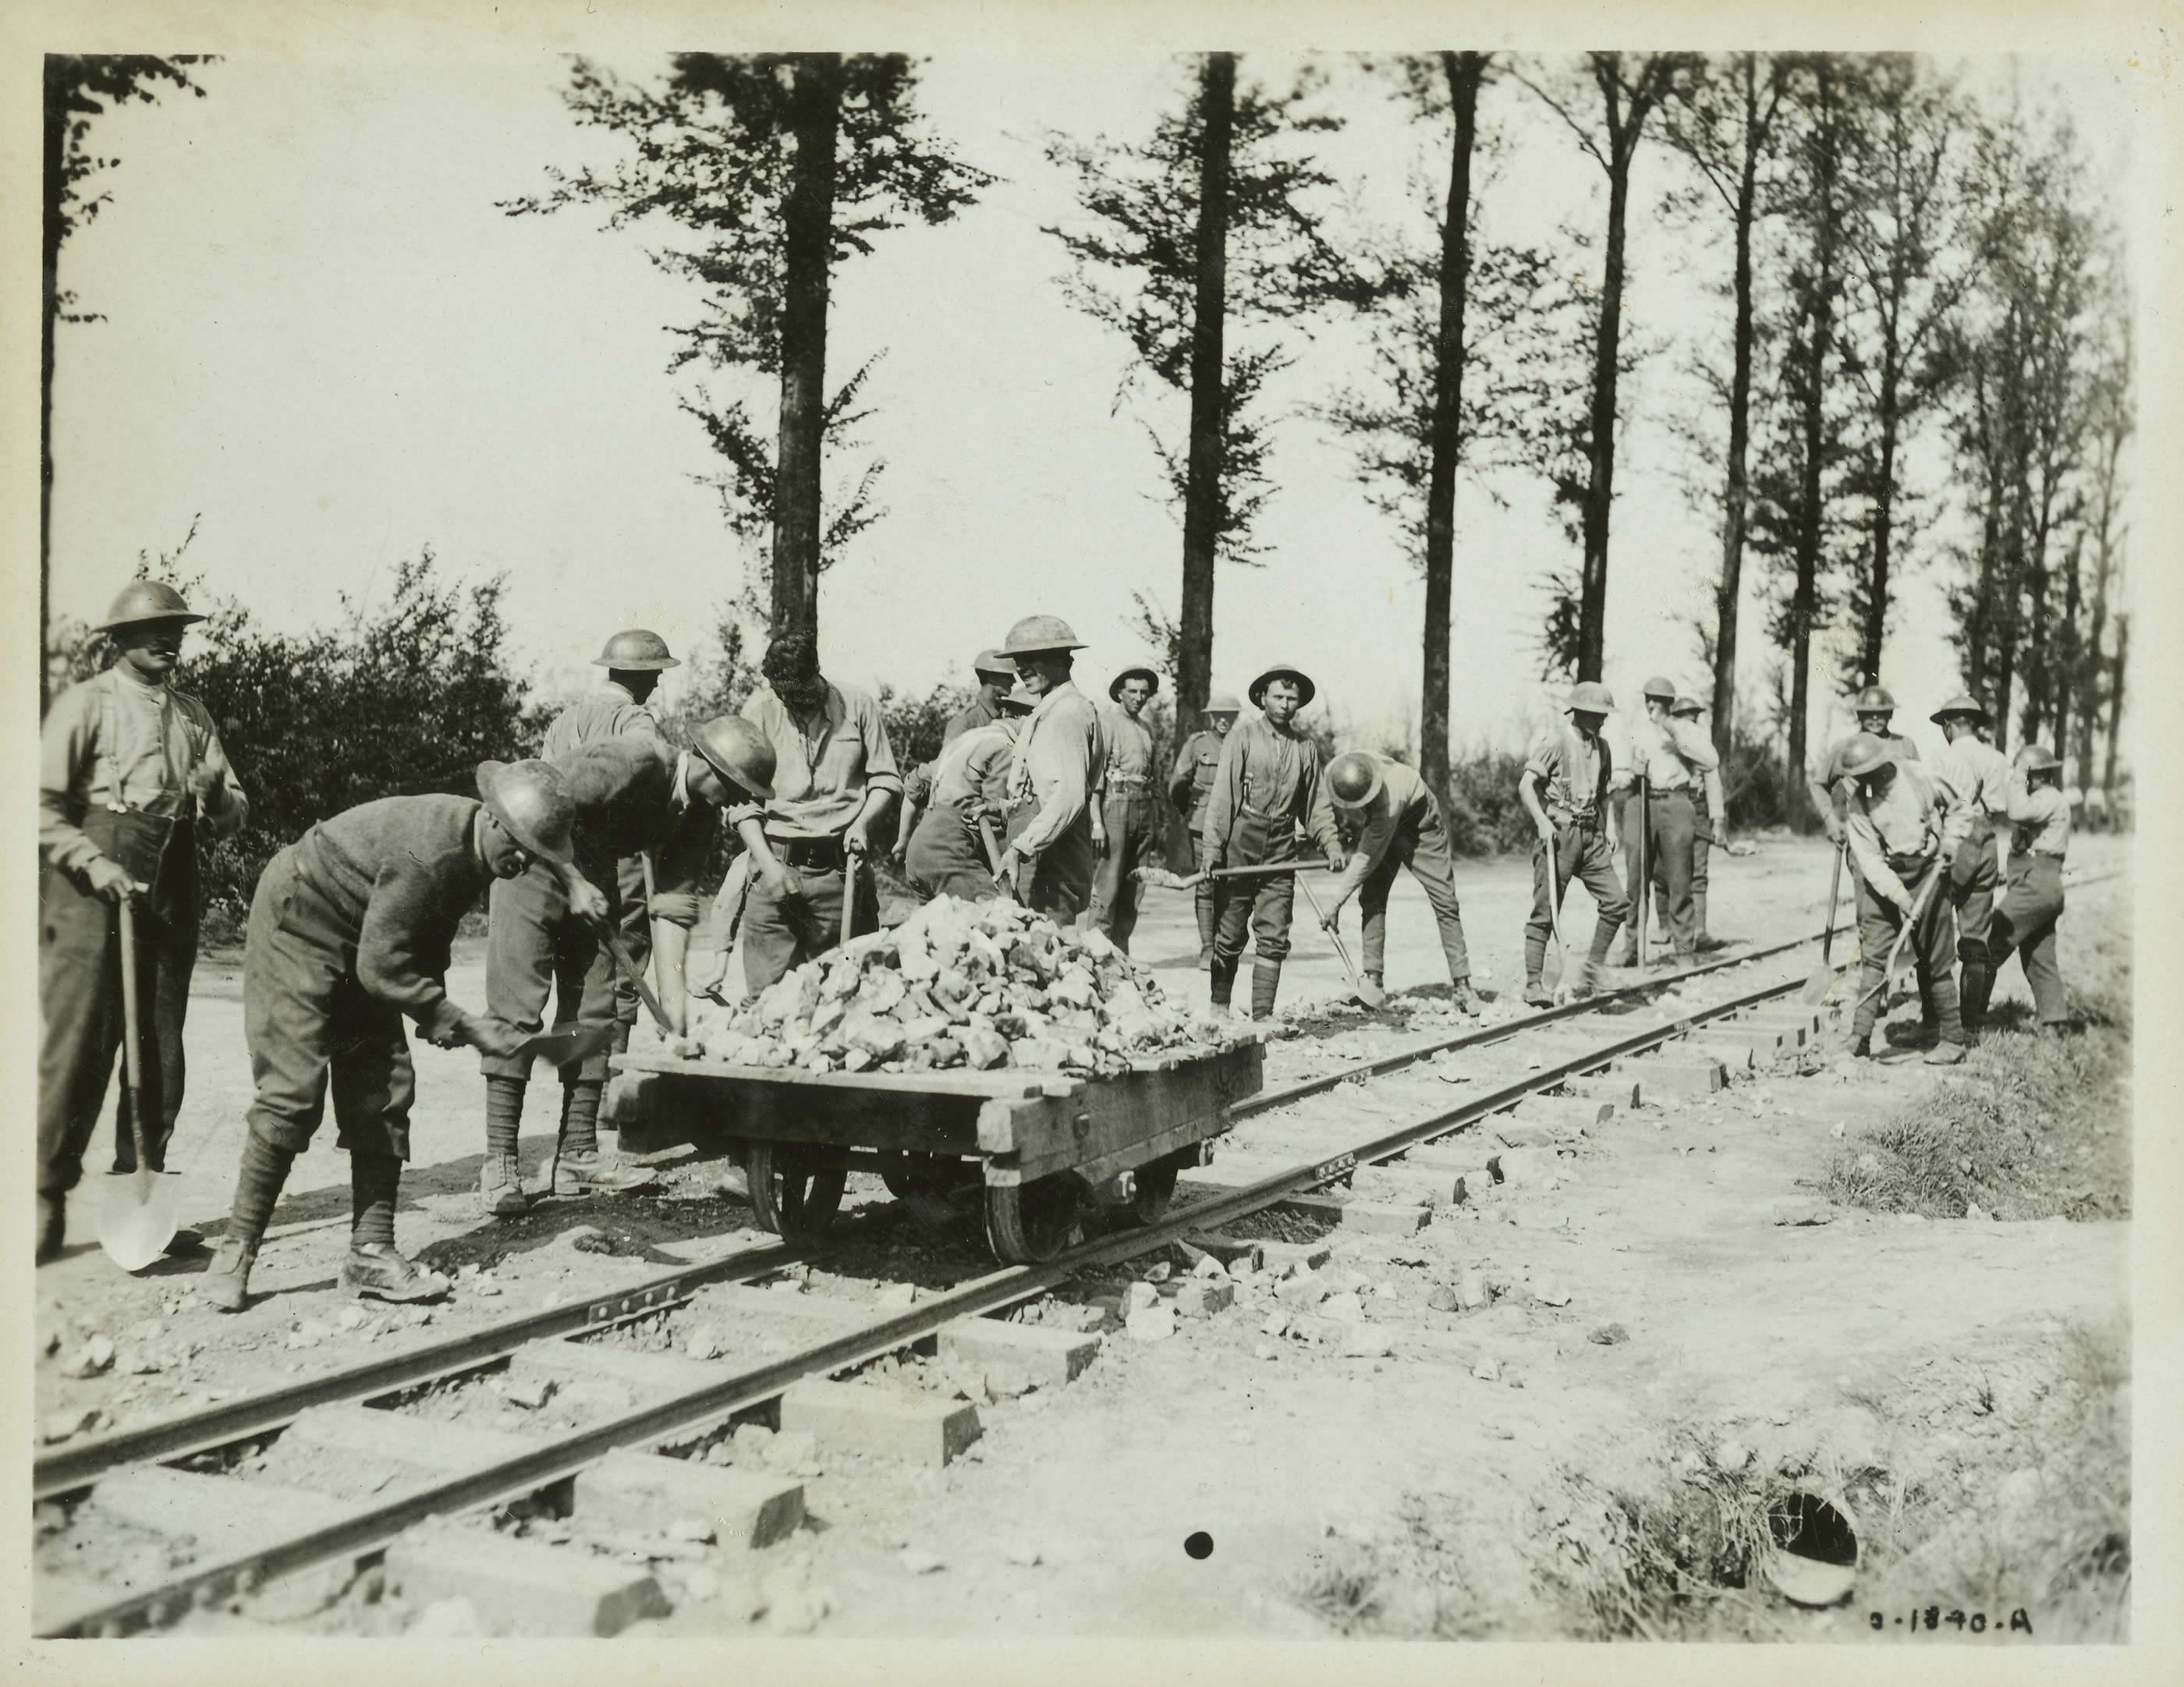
(1399, 826)
(349, 931)
(1904, 821)
(631, 796)
(1564, 790)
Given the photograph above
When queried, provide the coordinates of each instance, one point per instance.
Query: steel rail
(64, 1471)
(685, 1416)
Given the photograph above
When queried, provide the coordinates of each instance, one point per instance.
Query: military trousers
(1932, 947)
(81, 1023)
(1133, 826)
(536, 947)
(2024, 926)
(311, 1027)
(947, 856)
(1580, 852)
(1425, 851)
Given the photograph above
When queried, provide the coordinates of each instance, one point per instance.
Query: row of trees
(1921, 360)
(1908, 278)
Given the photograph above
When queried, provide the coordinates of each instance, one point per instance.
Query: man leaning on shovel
(1399, 825)
(127, 766)
(1904, 822)
(1564, 789)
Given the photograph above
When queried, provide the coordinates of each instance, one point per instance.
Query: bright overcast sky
(323, 339)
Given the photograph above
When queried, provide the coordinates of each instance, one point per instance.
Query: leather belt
(816, 855)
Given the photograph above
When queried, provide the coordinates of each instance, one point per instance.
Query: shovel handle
(629, 971)
(132, 1054)
(1835, 889)
(1910, 924)
(1341, 949)
(850, 858)
(993, 843)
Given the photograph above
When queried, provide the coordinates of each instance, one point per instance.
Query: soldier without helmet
(128, 765)
(1189, 787)
(1125, 829)
(947, 852)
(1711, 832)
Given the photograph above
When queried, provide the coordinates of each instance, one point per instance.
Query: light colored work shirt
(1275, 775)
(1575, 772)
(975, 766)
(1130, 751)
(1921, 816)
(1670, 756)
(114, 742)
(1058, 756)
(610, 712)
(823, 768)
(2041, 818)
(975, 714)
(1982, 773)
(1401, 806)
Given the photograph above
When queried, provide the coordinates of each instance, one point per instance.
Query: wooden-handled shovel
(137, 1215)
(1361, 986)
(1556, 962)
(1910, 924)
(1824, 975)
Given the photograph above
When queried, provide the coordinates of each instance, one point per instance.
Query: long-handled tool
(137, 1215)
(852, 860)
(993, 843)
(1824, 975)
(629, 971)
(1361, 986)
(1556, 962)
(1642, 895)
(1910, 924)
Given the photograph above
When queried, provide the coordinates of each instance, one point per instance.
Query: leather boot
(376, 1269)
(1461, 997)
(500, 1188)
(52, 1224)
(1536, 994)
(594, 1174)
(226, 1282)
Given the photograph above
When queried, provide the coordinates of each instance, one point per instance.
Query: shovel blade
(1369, 992)
(138, 1217)
(561, 1048)
(1818, 986)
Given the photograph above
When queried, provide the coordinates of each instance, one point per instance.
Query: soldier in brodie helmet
(1981, 772)
(629, 796)
(1054, 775)
(349, 932)
(1830, 790)
(1124, 832)
(1399, 825)
(537, 943)
(128, 765)
(1267, 790)
(1189, 785)
(1564, 789)
(1905, 823)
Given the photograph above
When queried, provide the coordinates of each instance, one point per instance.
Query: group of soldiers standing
(592, 855)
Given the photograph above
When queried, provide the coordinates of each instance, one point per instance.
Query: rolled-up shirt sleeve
(225, 806)
(881, 773)
(1953, 796)
(1318, 806)
(1695, 747)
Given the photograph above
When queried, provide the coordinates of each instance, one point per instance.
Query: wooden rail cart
(1034, 1146)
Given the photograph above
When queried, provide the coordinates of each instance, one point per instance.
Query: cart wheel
(1030, 1224)
(794, 1191)
(1155, 1189)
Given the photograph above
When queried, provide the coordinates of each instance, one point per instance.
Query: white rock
(921, 1563)
(93, 1357)
(1150, 1323)
(1266, 1349)
(447, 1619)
(1487, 1370)
(1139, 1297)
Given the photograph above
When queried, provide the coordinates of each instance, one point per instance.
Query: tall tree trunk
(55, 184)
(1811, 527)
(2088, 676)
(2115, 705)
(1599, 492)
(807, 243)
(1464, 71)
(1884, 501)
(1737, 496)
(1979, 623)
(1202, 495)
(2065, 656)
(2039, 676)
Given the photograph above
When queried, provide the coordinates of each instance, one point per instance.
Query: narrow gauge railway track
(369, 1528)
